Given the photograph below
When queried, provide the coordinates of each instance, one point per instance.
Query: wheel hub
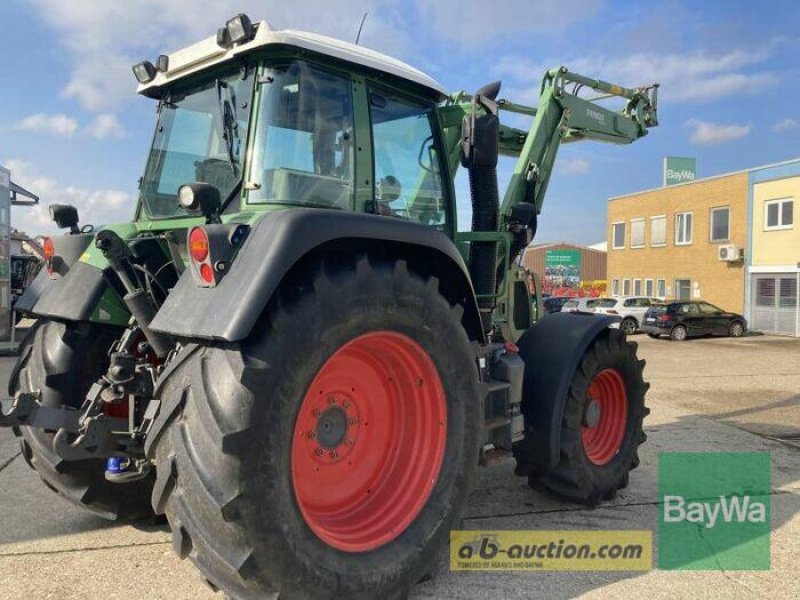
(332, 428)
(591, 417)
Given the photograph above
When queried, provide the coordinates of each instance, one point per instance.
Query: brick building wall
(678, 259)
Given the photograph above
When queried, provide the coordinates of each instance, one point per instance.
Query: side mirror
(480, 133)
(65, 216)
(201, 199)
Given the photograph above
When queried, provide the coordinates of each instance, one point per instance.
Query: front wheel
(330, 454)
(601, 429)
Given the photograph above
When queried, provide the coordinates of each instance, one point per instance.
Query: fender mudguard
(275, 243)
(552, 349)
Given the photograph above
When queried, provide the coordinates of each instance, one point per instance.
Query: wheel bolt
(312, 435)
(348, 442)
(346, 404)
(319, 452)
(334, 454)
(331, 400)
(352, 420)
(316, 412)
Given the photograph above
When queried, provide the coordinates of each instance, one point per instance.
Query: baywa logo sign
(714, 511)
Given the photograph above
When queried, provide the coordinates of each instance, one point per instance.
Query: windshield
(200, 137)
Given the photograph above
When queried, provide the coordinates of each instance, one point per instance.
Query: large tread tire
(223, 444)
(62, 361)
(575, 477)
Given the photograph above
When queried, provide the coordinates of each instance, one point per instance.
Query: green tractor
(292, 351)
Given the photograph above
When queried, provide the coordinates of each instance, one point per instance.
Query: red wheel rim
(369, 441)
(605, 417)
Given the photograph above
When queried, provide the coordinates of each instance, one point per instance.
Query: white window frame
(711, 237)
(683, 229)
(635, 282)
(661, 286)
(644, 232)
(780, 226)
(648, 288)
(614, 237)
(658, 244)
(626, 283)
(615, 287)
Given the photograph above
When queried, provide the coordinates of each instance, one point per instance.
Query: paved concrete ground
(706, 395)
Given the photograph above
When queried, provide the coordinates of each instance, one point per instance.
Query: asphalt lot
(706, 395)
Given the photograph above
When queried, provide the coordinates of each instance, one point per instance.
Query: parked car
(584, 305)
(682, 319)
(629, 309)
(553, 304)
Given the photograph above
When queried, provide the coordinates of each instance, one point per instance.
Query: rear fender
(282, 239)
(552, 350)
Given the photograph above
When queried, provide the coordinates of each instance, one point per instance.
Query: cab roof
(207, 53)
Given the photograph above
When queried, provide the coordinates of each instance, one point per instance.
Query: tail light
(49, 251)
(664, 317)
(212, 249)
(611, 311)
(200, 254)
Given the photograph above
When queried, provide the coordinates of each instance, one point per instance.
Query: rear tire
(678, 333)
(629, 326)
(595, 461)
(231, 456)
(62, 361)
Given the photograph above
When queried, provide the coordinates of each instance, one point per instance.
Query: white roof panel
(207, 53)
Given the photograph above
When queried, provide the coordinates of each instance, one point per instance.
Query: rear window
(570, 304)
(607, 303)
(657, 309)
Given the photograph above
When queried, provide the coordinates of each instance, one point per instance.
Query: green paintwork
(560, 116)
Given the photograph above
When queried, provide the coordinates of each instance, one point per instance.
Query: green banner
(679, 170)
(562, 269)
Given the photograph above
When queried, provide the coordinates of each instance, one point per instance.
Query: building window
(683, 289)
(615, 287)
(618, 236)
(779, 214)
(626, 287)
(648, 287)
(658, 231)
(637, 233)
(637, 287)
(661, 288)
(720, 224)
(683, 229)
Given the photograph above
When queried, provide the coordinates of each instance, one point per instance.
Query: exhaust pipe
(480, 150)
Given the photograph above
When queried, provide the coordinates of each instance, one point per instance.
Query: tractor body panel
(552, 350)
(276, 243)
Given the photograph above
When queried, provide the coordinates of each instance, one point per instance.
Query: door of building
(775, 306)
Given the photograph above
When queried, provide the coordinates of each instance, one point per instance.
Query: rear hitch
(25, 409)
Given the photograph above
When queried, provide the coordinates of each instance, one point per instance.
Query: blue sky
(73, 130)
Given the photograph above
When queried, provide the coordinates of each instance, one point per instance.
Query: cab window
(303, 151)
(408, 175)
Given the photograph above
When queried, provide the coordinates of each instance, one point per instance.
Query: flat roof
(721, 175)
(207, 52)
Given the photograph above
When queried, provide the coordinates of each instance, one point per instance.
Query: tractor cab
(287, 119)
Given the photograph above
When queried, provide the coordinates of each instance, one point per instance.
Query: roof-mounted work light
(162, 63)
(144, 71)
(237, 30)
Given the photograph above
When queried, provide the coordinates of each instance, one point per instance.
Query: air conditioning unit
(730, 253)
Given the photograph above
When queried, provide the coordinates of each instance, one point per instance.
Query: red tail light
(664, 317)
(199, 253)
(611, 311)
(49, 251)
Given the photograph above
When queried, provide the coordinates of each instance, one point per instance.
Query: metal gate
(775, 306)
